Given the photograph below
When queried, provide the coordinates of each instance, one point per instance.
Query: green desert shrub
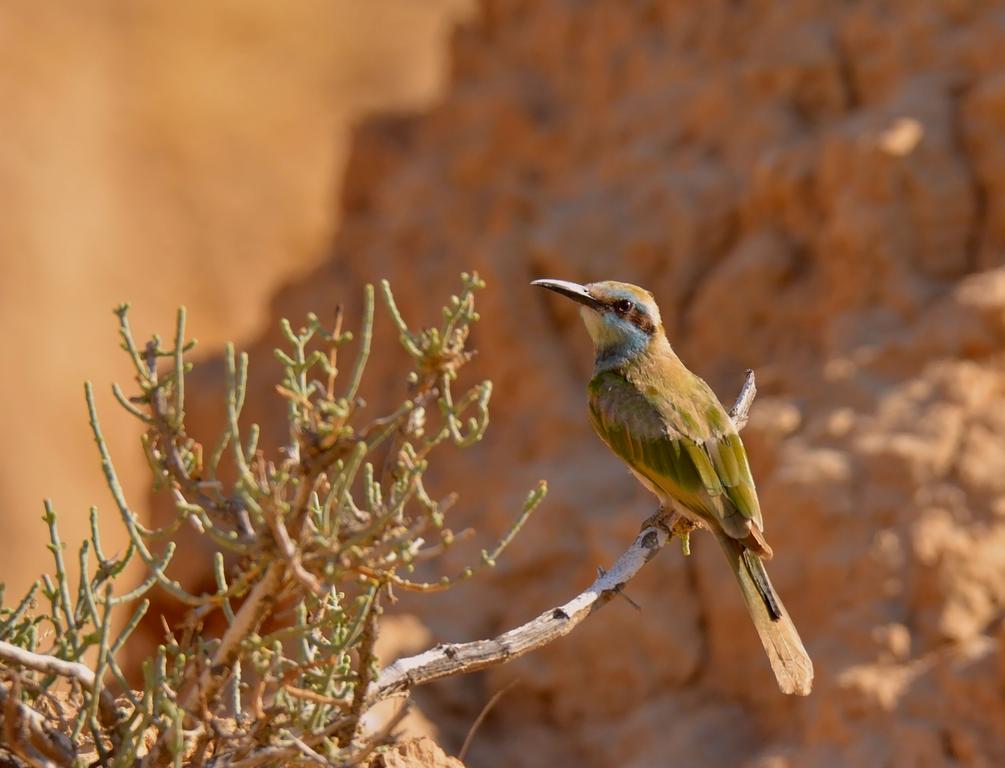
(307, 546)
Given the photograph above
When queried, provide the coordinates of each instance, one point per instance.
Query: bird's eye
(623, 306)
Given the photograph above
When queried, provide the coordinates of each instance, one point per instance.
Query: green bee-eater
(668, 426)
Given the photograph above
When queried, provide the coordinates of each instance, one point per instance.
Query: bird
(668, 426)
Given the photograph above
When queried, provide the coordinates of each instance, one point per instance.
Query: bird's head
(622, 319)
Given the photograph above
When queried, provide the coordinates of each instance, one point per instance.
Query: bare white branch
(19, 657)
(740, 411)
(50, 665)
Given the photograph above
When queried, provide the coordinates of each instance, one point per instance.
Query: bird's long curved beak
(574, 291)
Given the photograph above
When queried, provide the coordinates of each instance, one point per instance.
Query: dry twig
(481, 717)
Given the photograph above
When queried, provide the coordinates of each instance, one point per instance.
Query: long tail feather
(757, 571)
(789, 661)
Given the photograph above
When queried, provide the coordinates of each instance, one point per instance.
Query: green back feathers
(667, 424)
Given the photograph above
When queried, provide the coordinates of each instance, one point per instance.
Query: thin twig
(378, 738)
(277, 754)
(320, 698)
(482, 715)
(621, 592)
(289, 552)
(305, 750)
(367, 659)
(245, 621)
(333, 353)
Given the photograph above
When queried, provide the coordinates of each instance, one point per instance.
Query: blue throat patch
(624, 343)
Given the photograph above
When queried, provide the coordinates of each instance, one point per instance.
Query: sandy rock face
(415, 753)
(810, 189)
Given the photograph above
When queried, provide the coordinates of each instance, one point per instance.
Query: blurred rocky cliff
(812, 189)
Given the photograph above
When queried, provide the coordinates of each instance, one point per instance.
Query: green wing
(683, 443)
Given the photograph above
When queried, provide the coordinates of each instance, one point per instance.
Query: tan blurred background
(163, 154)
(812, 189)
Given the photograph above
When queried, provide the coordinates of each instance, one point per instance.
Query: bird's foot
(682, 528)
(664, 518)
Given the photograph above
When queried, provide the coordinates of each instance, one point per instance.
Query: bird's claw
(682, 528)
(674, 524)
(664, 519)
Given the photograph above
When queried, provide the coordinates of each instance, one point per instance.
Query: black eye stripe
(634, 314)
(641, 321)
